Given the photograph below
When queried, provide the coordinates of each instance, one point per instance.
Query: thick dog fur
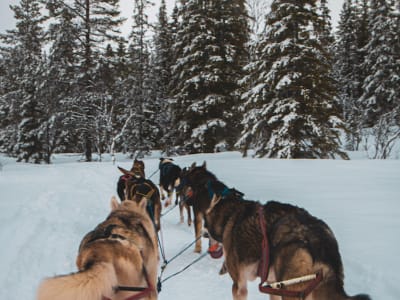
(299, 243)
(118, 252)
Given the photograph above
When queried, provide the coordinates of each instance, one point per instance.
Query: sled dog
(276, 241)
(138, 188)
(117, 257)
(136, 172)
(169, 178)
(195, 193)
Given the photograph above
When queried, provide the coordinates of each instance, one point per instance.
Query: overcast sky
(7, 17)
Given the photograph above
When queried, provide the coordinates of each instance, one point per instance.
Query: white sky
(7, 17)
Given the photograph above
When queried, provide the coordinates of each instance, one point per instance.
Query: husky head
(218, 190)
(137, 169)
(193, 181)
(139, 207)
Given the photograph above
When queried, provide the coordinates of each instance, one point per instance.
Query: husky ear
(193, 166)
(114, 203)
(143, 204)
(124, 171)
(204, 165)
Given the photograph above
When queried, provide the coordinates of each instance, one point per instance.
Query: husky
(170, 180)
(195, 193)
(138, 188)
(136, 172)
(117, 260)
(133, 185)
(274, 241)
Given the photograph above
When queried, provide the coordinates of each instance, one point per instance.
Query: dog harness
(143, 291)
(278, 287)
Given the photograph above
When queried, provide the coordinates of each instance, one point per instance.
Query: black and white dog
(170, 174)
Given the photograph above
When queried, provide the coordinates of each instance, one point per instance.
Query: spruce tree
(163, 51)
(290, 110)
(60, 83)
(97, 22)
(10, 70)
(141, 108)
(347, 71)
(209, 52)
(163, 40)
(381, 88)
(21, 98)
(325, 25)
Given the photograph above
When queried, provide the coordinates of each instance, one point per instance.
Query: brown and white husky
(274, 241)
(117, 257)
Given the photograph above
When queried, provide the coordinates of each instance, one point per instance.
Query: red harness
(263, 269)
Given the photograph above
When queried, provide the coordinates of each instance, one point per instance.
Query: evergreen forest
(268, 78)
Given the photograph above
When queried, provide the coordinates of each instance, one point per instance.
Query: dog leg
(169, 197)
(189, 213)
(198, 220)
(239, 290)
(182, 219)
(223, 269)
(294, 262)
(162, 192)
(240, 274)
(272, 278)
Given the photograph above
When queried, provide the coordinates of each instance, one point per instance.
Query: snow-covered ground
(46, 209)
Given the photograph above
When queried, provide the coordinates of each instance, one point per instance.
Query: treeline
(203, 79)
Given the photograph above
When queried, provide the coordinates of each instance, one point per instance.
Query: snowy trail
(46, 210)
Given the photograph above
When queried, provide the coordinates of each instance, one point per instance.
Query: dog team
(295, 254)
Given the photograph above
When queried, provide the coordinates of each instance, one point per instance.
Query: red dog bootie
(215, 250)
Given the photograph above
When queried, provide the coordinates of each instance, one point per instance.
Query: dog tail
(360, 297)
(90, 284)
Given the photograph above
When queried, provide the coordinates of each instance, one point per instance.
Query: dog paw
(167, 203)
(206, 235)
(223, 269)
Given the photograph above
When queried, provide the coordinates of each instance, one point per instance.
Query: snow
(45, 210)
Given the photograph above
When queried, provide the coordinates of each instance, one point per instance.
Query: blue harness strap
(225, 192)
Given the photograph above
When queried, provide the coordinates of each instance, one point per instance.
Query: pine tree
(163, 51)
(119, 120)
(381, 88)
(163, 40)
(21, 98)
(141, 108)
(97, 22)
(60, 83)
(290, 110)
(10, 70)
(347, 71)
(209, 52)
(326, 36)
